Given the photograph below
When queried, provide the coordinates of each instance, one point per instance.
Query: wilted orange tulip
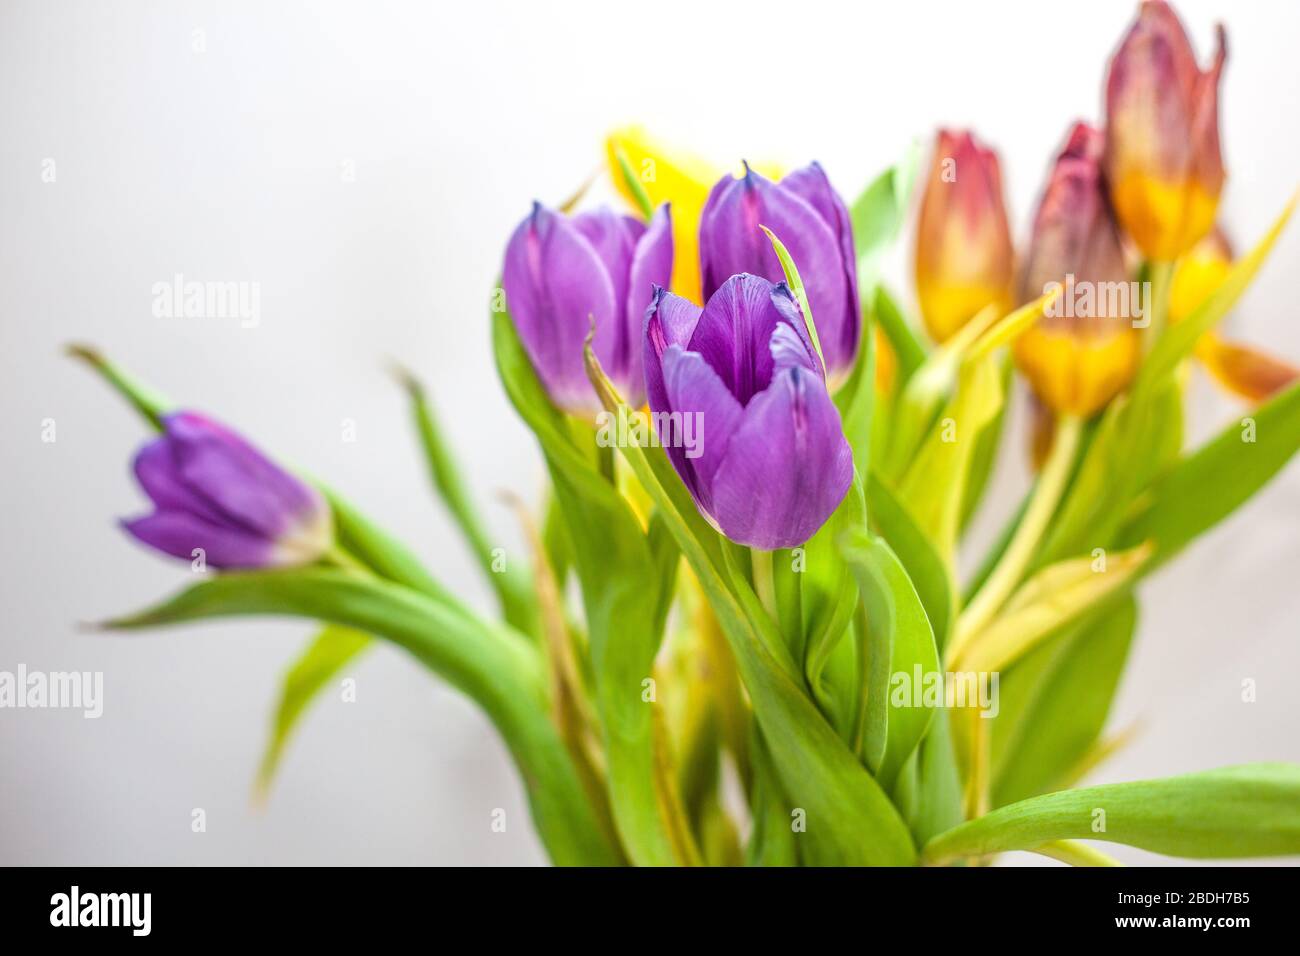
(963, 245)
(1085, 348)
(1162, 135)
(1241, 369)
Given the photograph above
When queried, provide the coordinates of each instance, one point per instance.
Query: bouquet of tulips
(760, 473)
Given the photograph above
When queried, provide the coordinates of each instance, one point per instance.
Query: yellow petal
(1077, 374)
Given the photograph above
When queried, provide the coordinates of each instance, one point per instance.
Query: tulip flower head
(216, 495)
(562, 273)
(1162, 135)
(813, 223)
(963, 244)
(1086, 348)
(773, 463)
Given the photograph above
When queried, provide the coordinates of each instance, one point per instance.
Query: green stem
(765, 582)
(1161, 276)
(1015, 559)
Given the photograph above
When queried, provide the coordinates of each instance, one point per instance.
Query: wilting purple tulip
(561, 273)
(769, 462)
(213, 491)
(811, 220)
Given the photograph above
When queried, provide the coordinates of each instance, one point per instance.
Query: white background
(226, 165)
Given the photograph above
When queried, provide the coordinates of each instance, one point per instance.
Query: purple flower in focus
(812, 221)
(212, 490)
(771, 462)
(561, 272)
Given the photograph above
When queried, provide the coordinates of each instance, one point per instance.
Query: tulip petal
(734, 334)
(1246, 372)
(670, 320)
(693, 388)
(787, 466)
(732, 243)
(652, 266)
(555, 283)
(179, 534)
(157, 471)
(812, 185)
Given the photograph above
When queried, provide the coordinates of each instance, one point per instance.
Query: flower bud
(1162, 135)
(771, 463)
(215, 494)
(1085, 349)
(963, 245)
(562, 273)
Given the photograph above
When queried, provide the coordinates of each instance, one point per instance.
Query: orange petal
(1244, 371)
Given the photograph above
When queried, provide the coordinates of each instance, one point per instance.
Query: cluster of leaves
(625, 720)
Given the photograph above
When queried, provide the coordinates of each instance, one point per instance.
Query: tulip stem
(340, 558)
(765, 581)
(1161, 278)
(1020, 550)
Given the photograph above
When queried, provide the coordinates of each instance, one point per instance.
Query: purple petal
(158, 472)
(731, 242)
(652, 267)
(694, 389)
(555, 282)
(787, 467)
(734, 334)
(247, 489)
(669, 320)
(812, 185)
(179, 534)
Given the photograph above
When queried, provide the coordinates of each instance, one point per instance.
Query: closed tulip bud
(770, 463)
(217, 496)
(1162, 135)
(1085, 348)
(963, 245)
(813, 223)
(563, 273)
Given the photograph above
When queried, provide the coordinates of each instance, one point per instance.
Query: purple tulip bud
(213, 491)
(561, 273)
(768, 463)
(812, 221)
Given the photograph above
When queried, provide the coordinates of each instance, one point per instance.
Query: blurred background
(365, 164)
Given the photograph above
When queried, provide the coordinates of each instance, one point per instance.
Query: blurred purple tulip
(213, 491)
(812, 221)
(561, 272)
(770, 463)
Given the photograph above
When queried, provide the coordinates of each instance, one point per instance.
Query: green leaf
(796, 286)
(985, 455)
(513, 588)
(329, 650)
(938, 787)
(903, 339)
(1235, 812)
(634, 186)
(1054, 704)
(1131, 443)
(850, 819)
(927, 571)
(497, 668)
(856, 399)
(151, 406)
(877, 216)
(900, 644)
(379, 551)
(622, 597)
(1207, 486)
(1178, 340)
(934, 485)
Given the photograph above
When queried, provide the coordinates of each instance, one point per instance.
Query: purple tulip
(811, 220)
(213, 491)
(769, 463)
(560, 273)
